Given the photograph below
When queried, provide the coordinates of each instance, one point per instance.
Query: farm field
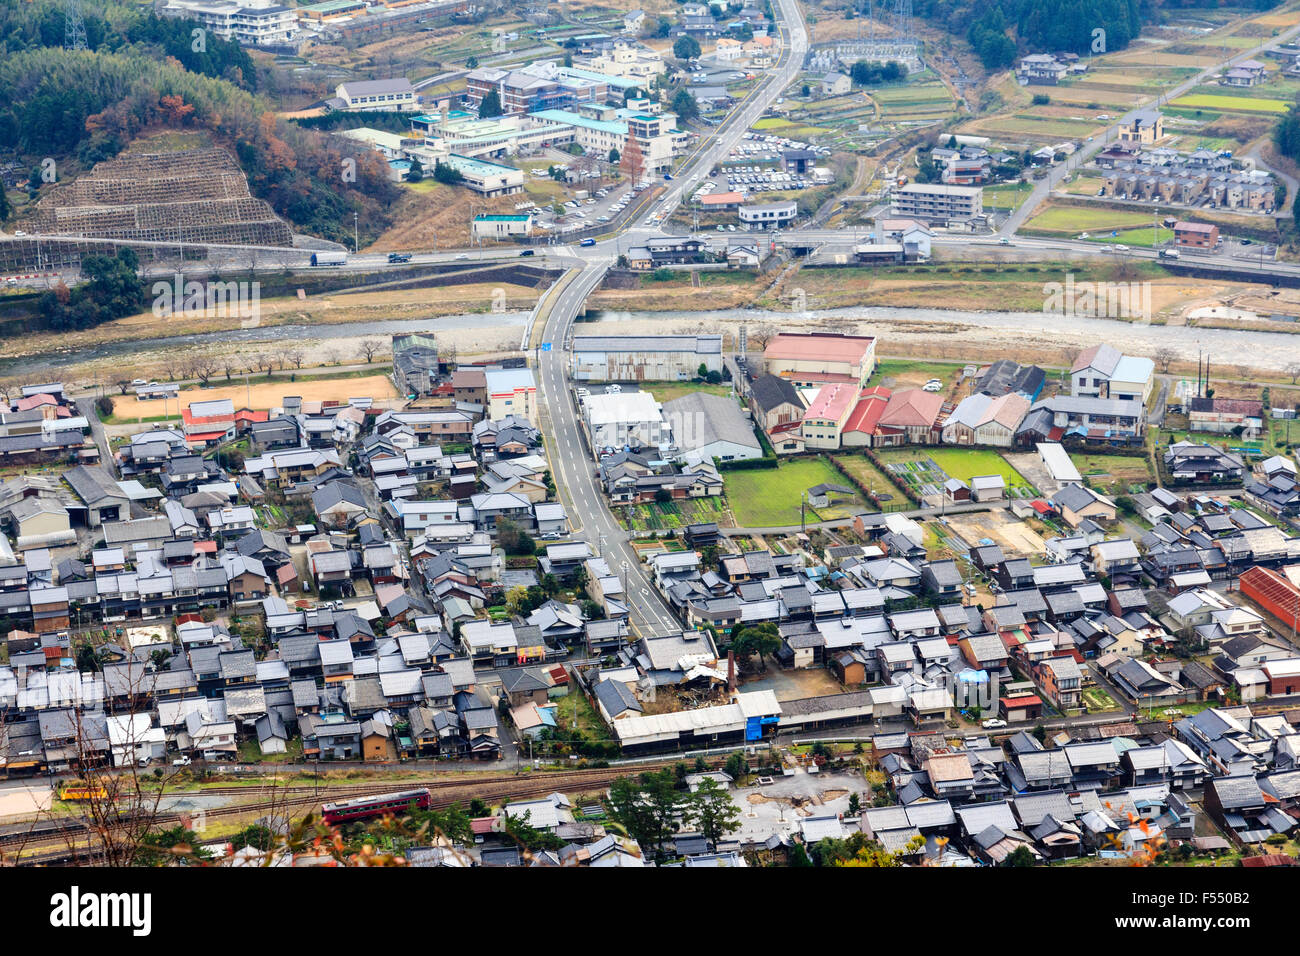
(1113, 474)
(862, 469)
(963, 463)
(770, 498)
(659, 516)
(1007, 197)
(1231, 104)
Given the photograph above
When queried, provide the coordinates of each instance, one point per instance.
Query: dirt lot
(1015, 537)
(266, 396)
(793, 684)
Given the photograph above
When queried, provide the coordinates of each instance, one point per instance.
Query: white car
(1121, 248)
(463, 255)
(613, 389)
(993, 723)
(181, 762)
(934, 385)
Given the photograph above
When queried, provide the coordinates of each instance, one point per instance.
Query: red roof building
(864, 420)
(912, 414)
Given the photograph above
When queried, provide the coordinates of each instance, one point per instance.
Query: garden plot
(922, 476)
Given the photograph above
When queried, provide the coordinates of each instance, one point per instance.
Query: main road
(572, 465)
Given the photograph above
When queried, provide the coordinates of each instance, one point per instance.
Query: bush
(104, 405)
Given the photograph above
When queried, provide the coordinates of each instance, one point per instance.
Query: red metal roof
(866, 414)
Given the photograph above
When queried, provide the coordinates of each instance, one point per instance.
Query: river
(35, 365)
(1255, 348)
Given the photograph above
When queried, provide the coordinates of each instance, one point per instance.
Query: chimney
(731, 672)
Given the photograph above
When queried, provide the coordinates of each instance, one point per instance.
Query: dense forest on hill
(1004, 29)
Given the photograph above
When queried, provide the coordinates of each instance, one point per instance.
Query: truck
(1170, 254)
(581, 194)
(394, 257)
(329, 258)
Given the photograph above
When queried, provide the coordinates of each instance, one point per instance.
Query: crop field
(1114, 474)
(1007, 197)
(1231, 104)
(790, 129)
(770, 498)
(659, 516)
(926, 469)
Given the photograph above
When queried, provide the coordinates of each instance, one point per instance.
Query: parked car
(934, 385)
(181, 761)
(993, 723)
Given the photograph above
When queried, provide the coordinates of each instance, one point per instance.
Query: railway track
(55, 843)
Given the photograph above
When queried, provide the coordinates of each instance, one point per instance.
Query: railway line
(57, 842)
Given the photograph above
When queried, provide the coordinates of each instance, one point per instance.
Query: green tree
(760, 639)
(736, 767)
(646, 807)
(447, 174)
(712, 811)
(614, 157)
(684, 105)
(1020, 856)
(686, 48)
(472, 62)
(416, 173)
(529, 837)
(490, 105)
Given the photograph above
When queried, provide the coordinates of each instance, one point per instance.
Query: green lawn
(1076, 219)
(770, 498)
(905, 373)
(964, 463)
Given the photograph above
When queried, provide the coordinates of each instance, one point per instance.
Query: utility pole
(356, 242)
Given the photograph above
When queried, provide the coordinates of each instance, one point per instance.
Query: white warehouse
(644, 358)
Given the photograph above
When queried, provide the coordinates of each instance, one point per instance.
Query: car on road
(613, 389)
(587, 242)
(993, 723)
(463, 255)
(395, 257)
(1121, 248)
(529, 252)
(668, 177)
(1170, 254)
(138, 381)
(1246, 242)
(1004, 241)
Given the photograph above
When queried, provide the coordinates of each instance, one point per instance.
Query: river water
(1255, 348)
